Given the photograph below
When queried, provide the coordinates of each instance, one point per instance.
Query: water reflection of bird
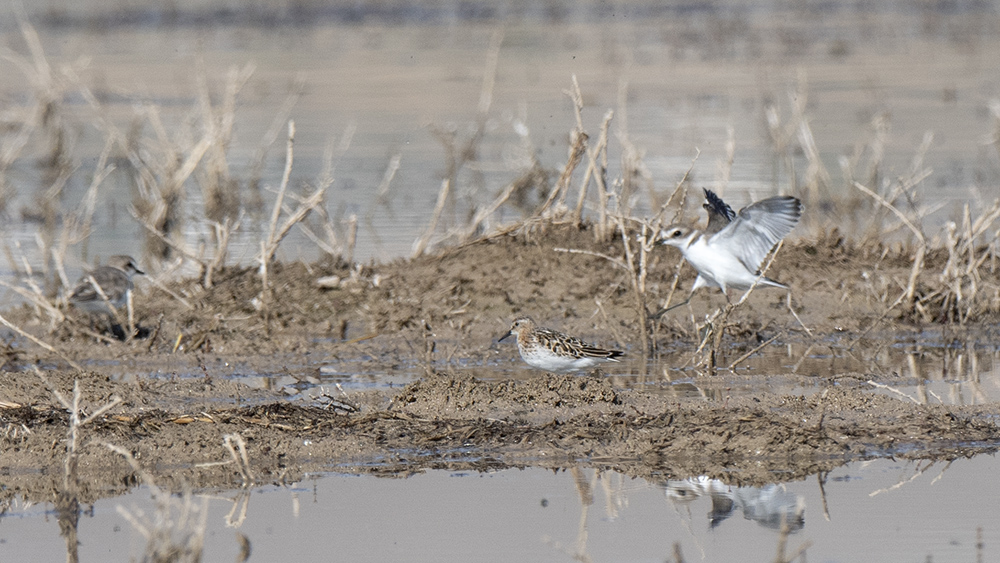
(729, 252)
(769, 506)
(114, 280)
(554, 351)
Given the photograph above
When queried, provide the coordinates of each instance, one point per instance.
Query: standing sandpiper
(730, 251)
(114, 280)
(554, 351)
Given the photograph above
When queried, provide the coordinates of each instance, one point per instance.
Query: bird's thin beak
(504, 336)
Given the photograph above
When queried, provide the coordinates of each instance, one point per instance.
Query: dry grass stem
(597, 171)
(420, 245)
(616, 261)
(756, 349)
(892, 390)
(918, 257)
(40, 343)
(38, 300)
(76, 422)
(788, 303)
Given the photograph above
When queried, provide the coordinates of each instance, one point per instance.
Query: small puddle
(881, 510)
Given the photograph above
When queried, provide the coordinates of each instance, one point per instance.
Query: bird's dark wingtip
(715, 206)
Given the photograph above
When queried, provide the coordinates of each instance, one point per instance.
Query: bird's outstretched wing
(757, 228)
(719, 212)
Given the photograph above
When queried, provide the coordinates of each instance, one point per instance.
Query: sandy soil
(436, 310)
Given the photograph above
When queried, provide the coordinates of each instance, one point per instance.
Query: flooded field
(727, 81)
(339, 209)
(892, 511)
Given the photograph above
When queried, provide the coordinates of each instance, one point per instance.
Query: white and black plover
(729, 252)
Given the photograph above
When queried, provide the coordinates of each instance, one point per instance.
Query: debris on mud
(460, 422)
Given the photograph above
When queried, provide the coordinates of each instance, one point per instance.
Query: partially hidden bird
(115, 282)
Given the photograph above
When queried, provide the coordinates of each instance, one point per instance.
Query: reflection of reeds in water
(67, 500)
(176, 529)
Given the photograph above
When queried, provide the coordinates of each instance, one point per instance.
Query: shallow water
(924, 371)
(692, 74)
(882, 510)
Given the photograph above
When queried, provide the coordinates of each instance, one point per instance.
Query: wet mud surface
(182, 393)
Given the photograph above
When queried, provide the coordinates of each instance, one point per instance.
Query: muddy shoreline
(181, 392)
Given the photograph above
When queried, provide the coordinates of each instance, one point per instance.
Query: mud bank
(181, 392)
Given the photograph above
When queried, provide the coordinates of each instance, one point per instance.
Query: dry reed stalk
(382, 191)
(39, 342)
(781, 137)
(577, 98)
(680, 195)
(599, 172)
(276, 234)
(39, 301)
(278, 123)
(159, 195)
(285, 175)
(179, 248)
(637, 279)
(76, 422)
(265, 292)
(636, 261)
(166, 273)
(77, 226)
(817, 177)
(483, 213)
(756, 349)
(352, 238)
(459, 154)
(633, 168)
(918, 258)
(331, 245)
(578, 147)
(67, 501)
(222, 233)
(420, 245)
(960, 279)
(220, 192)
(892, 390)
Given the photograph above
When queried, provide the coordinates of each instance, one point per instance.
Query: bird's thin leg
(661, 312)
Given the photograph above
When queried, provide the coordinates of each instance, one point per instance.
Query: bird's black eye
(675, 234)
